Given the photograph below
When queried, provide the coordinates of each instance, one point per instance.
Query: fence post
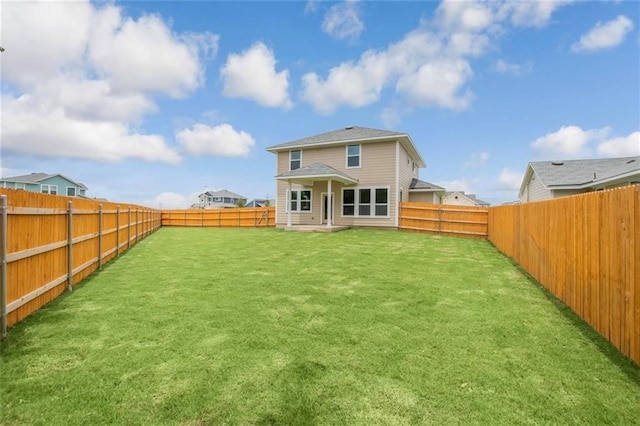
(3, 260)
(70, 246)
(129, 229)
(137, 220)
(439, 220)
(239, 218)
(117, 231)
(100, 236)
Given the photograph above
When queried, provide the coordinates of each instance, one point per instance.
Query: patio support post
(329, 205)
(288, 206)
(3, 259)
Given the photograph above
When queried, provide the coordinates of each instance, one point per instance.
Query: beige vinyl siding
(377, 169)
(535, 190)
(424, 197)
(406, 172)
(556, 193)
(457, 199)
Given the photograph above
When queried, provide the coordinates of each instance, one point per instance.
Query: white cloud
(252, 75)
(80, 78)
(30, 127)
(311, 6)
(222, 140)
(568, 142)
(509, 179)
(461, 185)
(390, 117)
(430, 66)
(604, 36)
(171, 200)
(477, 159)
(573, 142)
(621, 146)
(343, 21)
(504, 67)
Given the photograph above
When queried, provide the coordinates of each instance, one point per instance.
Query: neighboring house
(353, 176)
(259, 202)
(551, 179)
(425, 192)
(54, 184)
(459, 198)
(218, 199)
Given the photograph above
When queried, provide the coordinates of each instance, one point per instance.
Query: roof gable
(354, 134)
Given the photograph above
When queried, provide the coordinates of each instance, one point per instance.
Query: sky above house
(155, 102)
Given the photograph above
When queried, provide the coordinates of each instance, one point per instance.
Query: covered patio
(306, 177)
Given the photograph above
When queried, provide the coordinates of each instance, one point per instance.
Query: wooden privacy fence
(245, 217)
(49, 243)
(585, 249)
(444, 219)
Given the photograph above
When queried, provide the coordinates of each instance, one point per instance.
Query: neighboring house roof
(223, 193)
(353, 134)
(569, 174)
(38, 177)
(471, 197)
(420, 185)
(316, 171)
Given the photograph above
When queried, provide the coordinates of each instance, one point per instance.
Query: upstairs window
(353, 155)
(71, 191)
(295, 159)
(49, 189)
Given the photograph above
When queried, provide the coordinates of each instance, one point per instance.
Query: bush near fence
(585, 249)
(245, 217)
(46, 253)
(444, 219)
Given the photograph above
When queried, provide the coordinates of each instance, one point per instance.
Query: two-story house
(221, 199)
(54, 184)
(353, 176)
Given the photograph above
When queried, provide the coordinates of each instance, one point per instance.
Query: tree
(241, 202)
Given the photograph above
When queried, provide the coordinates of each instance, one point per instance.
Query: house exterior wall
(457, 199)
(557, 193)
(535, 190)
(58, 181)
(377, 169)
(424, 197)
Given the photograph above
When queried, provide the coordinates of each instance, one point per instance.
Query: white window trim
(75, 190)
(291, 151)
(373, 202)
(346, 157)
(298, 211)
(42, 186)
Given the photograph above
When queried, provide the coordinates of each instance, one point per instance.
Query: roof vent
(557, 163)
(348, 128)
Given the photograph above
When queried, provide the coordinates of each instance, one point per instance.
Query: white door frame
(323, 197)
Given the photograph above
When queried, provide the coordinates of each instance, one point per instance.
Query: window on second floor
(295, 159)
(353, 155)
(49, 189)
(71, 191)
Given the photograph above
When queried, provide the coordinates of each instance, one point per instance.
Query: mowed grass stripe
(261, 326)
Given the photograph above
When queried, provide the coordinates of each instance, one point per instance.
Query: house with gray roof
(460, 198)
(221, 199)
(53, 184)
(349, 177)
(551, 179)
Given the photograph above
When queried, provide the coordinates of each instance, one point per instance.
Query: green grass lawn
(255, 326)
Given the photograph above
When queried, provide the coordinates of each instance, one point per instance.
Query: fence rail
(443, 219)
(245, 217)
(585, 249)
(50, 243)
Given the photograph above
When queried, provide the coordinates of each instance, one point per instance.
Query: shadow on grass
(624, 364)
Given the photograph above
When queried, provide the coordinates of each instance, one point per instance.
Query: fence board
(585, 249)
(245, 217)
(442, 219)
(37, 244)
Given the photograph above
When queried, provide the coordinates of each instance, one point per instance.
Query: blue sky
(156, 102)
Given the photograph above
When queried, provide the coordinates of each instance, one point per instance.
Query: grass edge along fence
(241, 217)
(50, 243)
(445, 219)
(585, 249)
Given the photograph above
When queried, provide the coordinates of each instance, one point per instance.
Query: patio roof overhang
(317, 172)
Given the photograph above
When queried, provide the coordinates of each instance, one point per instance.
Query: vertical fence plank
(70, 246)
(3, 264)
(100, 236)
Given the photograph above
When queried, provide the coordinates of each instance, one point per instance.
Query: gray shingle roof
(315, 170)
(223, 193)
(37, 177)
(578, 172)
(420, 184)
(346, 134)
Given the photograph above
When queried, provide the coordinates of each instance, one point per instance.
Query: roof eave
(303, 180)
